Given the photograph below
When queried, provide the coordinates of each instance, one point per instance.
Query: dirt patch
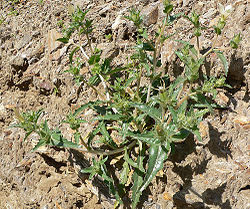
(211, 174)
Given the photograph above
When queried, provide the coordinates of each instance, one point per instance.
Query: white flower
(225, 11)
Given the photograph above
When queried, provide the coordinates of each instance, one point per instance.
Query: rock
(109, 50)
(117, 22)
(185, 2)
(46, 87)
(221, 98)
(150, 14)
(236, 69)
(24, 41)
(80, 3)
(59, 53)
(209, 13)
(104, 10)
(36, 54)
(19, 63)
(53, 45)
(144, 2)
(3, 112)
(47, 183)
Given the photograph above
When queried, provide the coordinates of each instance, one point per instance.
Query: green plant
(147, 117)
(41, 2)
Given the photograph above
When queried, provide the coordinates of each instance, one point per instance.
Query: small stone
(109, 50)
(209, 13)
(117, 22)
(186, 2)
(144, 2)
(222, 98)
(56, 56)
(24, 41)
(19, 63)
(103, 11)
(3, 111)
(46, 85)
(53, 44)
(150, 14)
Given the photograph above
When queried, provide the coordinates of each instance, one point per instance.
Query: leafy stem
(102, 152)
(157, 51)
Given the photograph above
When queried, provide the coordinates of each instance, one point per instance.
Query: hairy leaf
(157, 155)
(223, 60)
(138, 179)
(150, 111)
(72, 54)
(148, 137)
(63, 40)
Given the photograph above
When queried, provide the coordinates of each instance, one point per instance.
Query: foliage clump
(148, 117)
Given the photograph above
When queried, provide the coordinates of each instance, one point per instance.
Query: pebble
(150, 14)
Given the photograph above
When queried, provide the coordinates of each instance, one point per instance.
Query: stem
(198, 46)
(138, 88)
(156, 54)
(139, 82)
(83, 142)
(84, 53)
(163, 114)
(182, 100)
(107, 92)
(102, 152)
(90, 45)
(185, 97)
(212, 48)
(105, 87)
(92, 87)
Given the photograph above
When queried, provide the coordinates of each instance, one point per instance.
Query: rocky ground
(211, 174)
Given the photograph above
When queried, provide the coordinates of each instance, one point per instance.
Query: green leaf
(150, 111)
(157, 155)
(181, 135)
(201, 101)
(109, 182)
(145, 46)
(88, 105)
(107, 137)
(172, 18)
(110, 117)
(223, 60)
(40, 144)
(94, 133)
(128, 160)
(77, 136)
(148, 137)
(173, 113)
(87, 170)
(124, 173)
(27, 135)
(197, 134)
(94, 59)
(138, 179)
(59, 141)
(72, 53)
(94, 80)
(116, 70)
(63, 40)
(168, 8)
